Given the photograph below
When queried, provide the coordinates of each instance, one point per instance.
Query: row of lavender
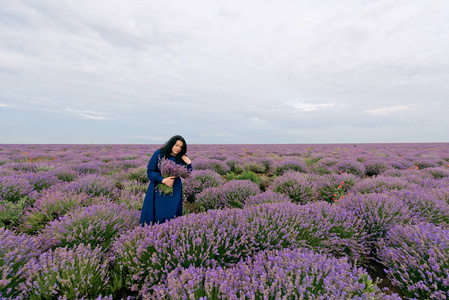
(81, 205)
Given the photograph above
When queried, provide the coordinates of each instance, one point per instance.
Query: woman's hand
(169, 181)
(186, 159)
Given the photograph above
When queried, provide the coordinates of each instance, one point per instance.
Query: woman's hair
(167, 147)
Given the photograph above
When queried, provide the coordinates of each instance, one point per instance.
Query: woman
(157, 207)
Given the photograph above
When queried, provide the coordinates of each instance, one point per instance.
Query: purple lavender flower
(380, 184)
(416, 258)
(333, 187)
(212, 164)
(231, 194)
(291, 165)
(438, 172)
(146, 255)
(254, 164)
(94, 225)
(351, 167)
(73, 273)
(41, 180)
(279, 274)
(374, 167)
(380, 212)
(51, 205)
(232, 161)
(297, 186)
(138, 174)
(13, 188)
(27, 167)
(198, 181)
(170, 168)
(15, 251)
(66, 174)
(93, 185)
(266, 197)
(424, 205)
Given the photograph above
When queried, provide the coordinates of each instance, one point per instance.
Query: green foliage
(245, 175)
(10, 212)
(368, 283)
(138, 174)
(254, 167)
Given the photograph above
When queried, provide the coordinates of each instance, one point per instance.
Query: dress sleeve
(153, 172)
(189, 168)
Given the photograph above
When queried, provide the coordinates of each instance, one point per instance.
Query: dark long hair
(167, 147)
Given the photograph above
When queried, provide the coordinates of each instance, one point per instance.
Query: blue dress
(158, 208)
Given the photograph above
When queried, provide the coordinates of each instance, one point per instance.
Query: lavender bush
(15, 251)
(374, 167)
(424, 205)
(138, 174)
(420, 169)
(146, 255)
(134, 187)
(350, 167)
(279, 274)
(91, 167)
(416, 258)
(13, 188)
(41, 180)
(27, 167)
(438, 173)
(198, 181)
(266, 197)
(73, 273)
(233, 162)
(256, 166)
(333, 187)
(380, 212)
(66, 174)
(423, 163)
(212, 164)
(93, 185)
(11, 212)
(131, 199)
(290, 166)
(295, 185)
(51, 205)
(441, 193)
(400, 164)
(379, 184)
(326, 162)
(94, 225)
(231, 194)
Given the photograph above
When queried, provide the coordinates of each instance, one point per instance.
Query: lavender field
(343, 221)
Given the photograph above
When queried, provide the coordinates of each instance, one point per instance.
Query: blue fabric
(158, 208)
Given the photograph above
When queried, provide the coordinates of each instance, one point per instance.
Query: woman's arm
(153, 172)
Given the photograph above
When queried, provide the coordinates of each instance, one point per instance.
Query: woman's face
(177, 148)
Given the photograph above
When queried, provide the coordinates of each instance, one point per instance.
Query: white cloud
(387, 110)
(302, 106)
(223, 65)
(88, 114)
(3, 105)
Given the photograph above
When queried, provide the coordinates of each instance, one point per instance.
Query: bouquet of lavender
(168, 169)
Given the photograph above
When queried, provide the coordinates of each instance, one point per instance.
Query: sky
(224, 72)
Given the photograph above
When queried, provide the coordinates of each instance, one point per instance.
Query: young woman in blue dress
(157, 207)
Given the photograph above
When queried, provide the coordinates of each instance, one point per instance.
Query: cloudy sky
(231, 71)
